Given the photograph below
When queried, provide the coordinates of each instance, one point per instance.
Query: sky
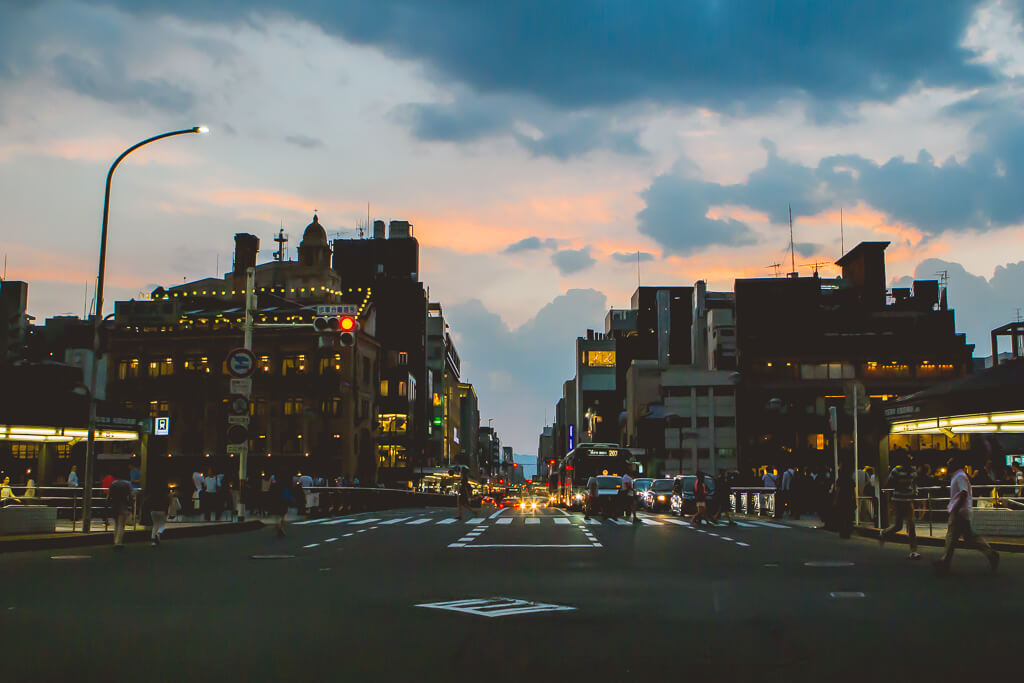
(549, 155)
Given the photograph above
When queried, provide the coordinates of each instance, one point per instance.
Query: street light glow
(201, 129)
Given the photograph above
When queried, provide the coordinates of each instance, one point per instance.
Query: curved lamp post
(90, 449)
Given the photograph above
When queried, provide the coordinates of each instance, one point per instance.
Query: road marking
(504, 520)
(711, 534)
(532, 520)
(364, 521)
(526, 545)
(562, 520)
(828, 563)
(311, 545)
(726, 538)
(467, 539)
(330, 540)
(496, 607)
(271, 557)
(592, 522)
(650, 522)
(678, 522)
(70, 557)
(396, 520)
(347, 535)
(622, 522)
(446, 520)
(361, 531)
(335, 521)
(773, 525)
(846, 594)
(456, 545)
(748, 526)
(497, 514)
(741, 543)
(421, 520)
(476, 520)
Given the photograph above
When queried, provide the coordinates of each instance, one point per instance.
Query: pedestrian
(7, 496)
(590, 505)
(629, 497)
(135, 477)
(784, 497)
(208, 495)
(1018, 480)
(119, 496)
(959, 524)
(844, 501)
(105, 485)
(278, 498)
(73, 476)
(720, 499)
(30, 488)
(161, 507)
(903, 478)
(462, 499)
(700, 500)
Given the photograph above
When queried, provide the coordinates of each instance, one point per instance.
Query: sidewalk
(98, 536)
(935, 536)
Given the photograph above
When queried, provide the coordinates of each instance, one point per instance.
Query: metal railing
(68, 501)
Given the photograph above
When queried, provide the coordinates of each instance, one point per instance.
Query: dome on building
(314, 235)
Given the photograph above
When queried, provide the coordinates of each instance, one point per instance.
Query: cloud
(110, 84)
(806, 249)
(580, 135)
(513, 368)
(632, 256)
(569, 261)
(531, 244)
(730, 55)
(304, 141)
(979, 304)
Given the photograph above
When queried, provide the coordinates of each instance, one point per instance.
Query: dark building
(390, 266)
(314, 404)
(804, 343)
(13, 321)
(468, 436)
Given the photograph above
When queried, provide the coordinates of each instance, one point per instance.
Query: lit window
(293, 365)
(437, 399)
(159, 408)
(128, 368)
(403, 358)
(601, 359)
(293, 406)
(403, 389)
(392, 423)
(384, 388)
(161, 368)
(264, 364)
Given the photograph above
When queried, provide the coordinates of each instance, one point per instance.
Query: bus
(585, 461)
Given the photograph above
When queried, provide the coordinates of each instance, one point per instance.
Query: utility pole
(247, 327)
(856, 460)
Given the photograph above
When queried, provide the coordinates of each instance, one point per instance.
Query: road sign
(863, 401)
(162, 426)
(237, 448)
(243, 387)
(238, 420)
(341, 309)
(238, 404)
(237, 434)
(241, 362)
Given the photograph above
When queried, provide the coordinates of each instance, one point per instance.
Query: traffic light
(515, 464)
(336, 329)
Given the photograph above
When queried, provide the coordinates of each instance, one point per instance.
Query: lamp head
(200, 129)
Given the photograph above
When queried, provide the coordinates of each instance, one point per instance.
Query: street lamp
(90, 448)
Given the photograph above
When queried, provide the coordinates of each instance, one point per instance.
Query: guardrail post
(74, 511)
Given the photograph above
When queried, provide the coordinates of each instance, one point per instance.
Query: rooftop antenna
(775, 267)
(281, 239)
(792, 253)
(842, 238)
(816, 265)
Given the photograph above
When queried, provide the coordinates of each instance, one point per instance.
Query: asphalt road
(653, 601)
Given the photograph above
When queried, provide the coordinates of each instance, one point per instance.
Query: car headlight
(661, 497)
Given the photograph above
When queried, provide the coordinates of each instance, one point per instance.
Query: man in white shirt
(629, 497)
(960, 504)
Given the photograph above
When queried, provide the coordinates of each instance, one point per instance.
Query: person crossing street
(960, 506)
(903, 478)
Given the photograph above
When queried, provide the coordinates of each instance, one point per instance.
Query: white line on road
(335, 521)
(476, 520)
(532, 520)
(361, 531)
(347, 535)
(421, 520)
(446, 520)
(504, 520)
(846, 594)
(396, 520)
(592, 522)
(364, 521)
(562, 520)
(311, 545)
(773, 525)
(650, 522)
(497, 514)
(330, 540)
(622, 522)
(678, 522)
(525, 545)
(456, 545)
(745, 545)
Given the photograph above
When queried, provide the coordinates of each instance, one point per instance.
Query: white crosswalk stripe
(562, 520)
(396, 520)
(421, 520)
(773, 525)
(532, 520)
(650, 522)
(476, 520)
(364, 521)
(447, 520)
(504, 520)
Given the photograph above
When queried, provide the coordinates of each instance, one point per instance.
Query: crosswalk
(532, 521)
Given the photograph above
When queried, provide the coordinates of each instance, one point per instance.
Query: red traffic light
(551, 462)
(515, 464)
(347, 323)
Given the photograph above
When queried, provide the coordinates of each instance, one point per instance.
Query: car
(683, 497)
(488, 500)
(640, 487)
(609, 502)
(509, 502)
(658, 496)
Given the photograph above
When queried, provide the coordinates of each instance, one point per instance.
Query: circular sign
(238, 404)
(241, 363)
(237, 434)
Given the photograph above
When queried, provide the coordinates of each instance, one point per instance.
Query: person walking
(278, 498)
(208, 496)
(160, 508)
(73, 476)
(903, 478)
(959, 526)
(462, 499)
(720, 499)
(629, 498)
(700, 499)
(784, 497)
(119, 497)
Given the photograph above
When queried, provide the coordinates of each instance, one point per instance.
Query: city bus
(585, 461)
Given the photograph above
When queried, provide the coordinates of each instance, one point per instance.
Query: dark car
(658, 496)
(609, 502)
(683, 497)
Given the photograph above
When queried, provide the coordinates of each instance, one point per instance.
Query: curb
(903, 539)
(80, 540)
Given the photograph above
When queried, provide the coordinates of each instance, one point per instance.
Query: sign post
(244, 370)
